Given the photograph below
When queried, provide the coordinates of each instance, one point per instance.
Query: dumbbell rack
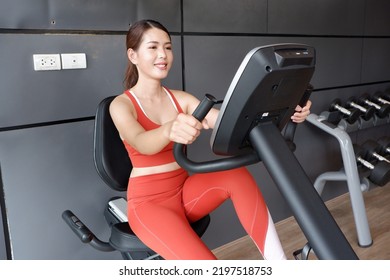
(349, 173)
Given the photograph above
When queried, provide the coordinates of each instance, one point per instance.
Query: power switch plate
(74, 61)
(47, 62)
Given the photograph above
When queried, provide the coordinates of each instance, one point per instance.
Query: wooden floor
(377, 201)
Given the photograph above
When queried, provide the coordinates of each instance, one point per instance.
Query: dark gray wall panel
(377, 21)
(87, 14)
(90, 14)
(60, 94)
(54, 95)
(46, 171)
(24, 14)
(333, 17)
(211, 68)
(225, 16)
(338, 61)
(165, 11)
(74, 14)
(3, 252)
(376, 60)
(103, 15)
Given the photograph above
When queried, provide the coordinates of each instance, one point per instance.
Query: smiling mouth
(161, 65)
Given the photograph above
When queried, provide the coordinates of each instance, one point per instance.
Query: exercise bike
(264, 92)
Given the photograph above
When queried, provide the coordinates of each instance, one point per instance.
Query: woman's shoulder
(178, 92)
(186, 100)
(181, 95)
(121, 102)
(119, 99)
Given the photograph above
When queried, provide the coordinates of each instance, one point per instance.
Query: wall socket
(44, 62)
(73, 60)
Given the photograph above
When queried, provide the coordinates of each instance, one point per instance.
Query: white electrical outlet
(73, 60)
(47, 62)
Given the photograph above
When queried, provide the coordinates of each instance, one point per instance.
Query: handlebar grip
(292, 126)
(306, 95)
(77, 226)
(204, 107)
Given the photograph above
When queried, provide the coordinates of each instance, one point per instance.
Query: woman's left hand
(301, 114)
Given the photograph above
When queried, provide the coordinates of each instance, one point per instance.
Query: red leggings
(160, 207)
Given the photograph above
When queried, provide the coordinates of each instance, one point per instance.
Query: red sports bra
(166, 154)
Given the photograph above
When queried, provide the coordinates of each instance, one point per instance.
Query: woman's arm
(189, 103)
(146, 142)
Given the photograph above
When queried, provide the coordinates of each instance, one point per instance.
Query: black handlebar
(289, 131)
(85, 235)
(204, 107)
(77, 226)
(214, 165)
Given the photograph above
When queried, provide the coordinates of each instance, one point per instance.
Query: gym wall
(47, 117)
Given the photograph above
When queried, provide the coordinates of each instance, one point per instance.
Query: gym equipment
(386, 95)
(384, 145)
(348, 173)
(366, 117)
(263, 95)
(380, 98)
(373, 151)
(303, 253)
(381, 110)
(351, 115)
(113, 166)
(379, 173)
(366, 113)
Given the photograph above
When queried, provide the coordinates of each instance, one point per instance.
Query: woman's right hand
(185, 129)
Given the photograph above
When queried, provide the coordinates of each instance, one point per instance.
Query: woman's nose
(162, 54)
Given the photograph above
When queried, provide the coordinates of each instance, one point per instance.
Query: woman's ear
(132, 55)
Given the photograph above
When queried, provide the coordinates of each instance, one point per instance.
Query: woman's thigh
(164, 227)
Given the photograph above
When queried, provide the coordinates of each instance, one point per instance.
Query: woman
(162, 198)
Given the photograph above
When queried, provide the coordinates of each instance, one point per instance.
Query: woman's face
(154, 56)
